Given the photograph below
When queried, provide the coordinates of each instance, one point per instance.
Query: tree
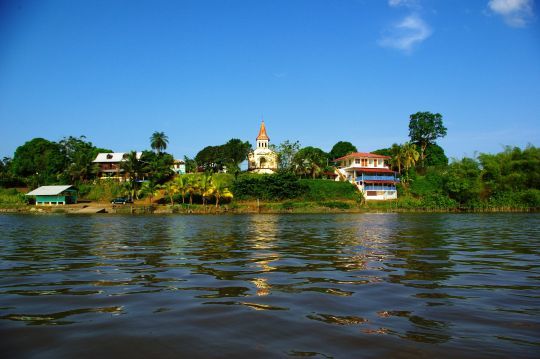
(39, 161)
(135, 170)
(220, 190)
(159, 141)
(424, 129)
(409, 155)
(193, 187)
(310, 161)
(205, 186)
(229, 155)
(341, 149)
(435, 156)
(150, 189)
(462, 180)
(210, 158)
(171, 189)
(235, 152)
(158, 166)
(286, 152)
(191, 164)
(79, 156)
(181, 183)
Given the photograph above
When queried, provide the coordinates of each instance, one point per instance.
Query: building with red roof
(370, 172)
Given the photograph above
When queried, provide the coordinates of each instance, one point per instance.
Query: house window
(371, 162)
(357, 161)
(364, 162)
(109, 156)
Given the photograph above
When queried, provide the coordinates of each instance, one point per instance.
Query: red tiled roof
(262, 133)
(362, 155)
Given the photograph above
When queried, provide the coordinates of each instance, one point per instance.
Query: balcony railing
(379, 188)
(376, 178)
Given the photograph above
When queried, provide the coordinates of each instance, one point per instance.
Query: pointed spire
(262, 133)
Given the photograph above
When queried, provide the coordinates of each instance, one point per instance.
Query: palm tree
(159, 141)
(206, 182)
(134, 169)
(149, 189)
(409, 155)
(193, 187)
(181, 183)
(170, 189)
(219, 190)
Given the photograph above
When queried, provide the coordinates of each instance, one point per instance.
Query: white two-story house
(370, 173)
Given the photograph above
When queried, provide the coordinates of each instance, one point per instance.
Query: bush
(268, 187)
(321, 190)
(103, 190)
(12, 196)
(531, 198)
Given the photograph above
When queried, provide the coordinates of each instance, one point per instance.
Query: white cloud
(406, 34)
(406, 3)
(516, 13)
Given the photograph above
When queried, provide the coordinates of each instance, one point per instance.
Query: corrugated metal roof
(113, 157)
(48, 190)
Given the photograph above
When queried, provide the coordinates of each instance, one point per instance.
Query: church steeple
(262, 138)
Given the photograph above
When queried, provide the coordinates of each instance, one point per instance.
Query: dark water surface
(343, 286)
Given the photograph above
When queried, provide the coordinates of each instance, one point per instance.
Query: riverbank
(247, 207)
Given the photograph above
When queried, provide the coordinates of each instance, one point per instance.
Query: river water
(265, 286)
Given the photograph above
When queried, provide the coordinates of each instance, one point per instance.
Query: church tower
(262, 138)
(262, 159)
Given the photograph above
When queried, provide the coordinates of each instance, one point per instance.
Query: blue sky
(319, 71)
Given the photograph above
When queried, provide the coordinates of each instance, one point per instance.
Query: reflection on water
(271, 285)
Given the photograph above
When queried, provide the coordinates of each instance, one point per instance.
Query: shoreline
(239, 208)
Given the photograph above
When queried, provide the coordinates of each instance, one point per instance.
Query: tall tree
(191, 164)
(286, 152)
(310, 161)
(424, 129)
(39, 161)
(235, 151)
(181, 183)
(159, 141)
(409, 155)
(219, 189)
(341, 149)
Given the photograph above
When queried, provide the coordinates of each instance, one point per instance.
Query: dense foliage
(341, 149)
(273, 187)
(424, 129)
(229, 156)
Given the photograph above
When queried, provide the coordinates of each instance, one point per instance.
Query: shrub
(321, 190)
(268, 187)
(12, 196)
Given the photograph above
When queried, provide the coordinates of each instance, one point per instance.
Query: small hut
(54, 195)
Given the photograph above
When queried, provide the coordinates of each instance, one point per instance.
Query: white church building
(262, 159)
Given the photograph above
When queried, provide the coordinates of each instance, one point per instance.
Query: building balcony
(379, 188)
(376, 178)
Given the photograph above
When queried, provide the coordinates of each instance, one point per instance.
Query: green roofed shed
(66, 194)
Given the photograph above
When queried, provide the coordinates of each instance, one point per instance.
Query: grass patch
(10, 196)
(335, 204)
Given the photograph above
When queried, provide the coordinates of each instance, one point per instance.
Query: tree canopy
(39, 160)
(424, 129)
(310, 161)
(286, 152)
(341, 149)
(159, 141)
(229, 155)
